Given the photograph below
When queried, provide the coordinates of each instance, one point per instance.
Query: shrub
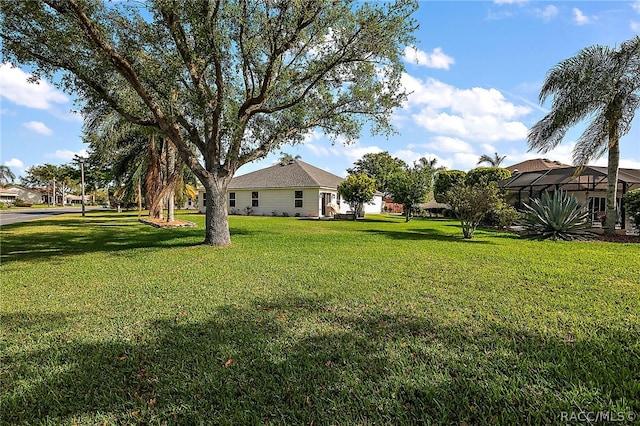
(21, 203)
(502, 217)
(4, 206)
(444, 181)
(557, 216)
(356, 190)
(632, 204)
(472, 203)
(485, 175)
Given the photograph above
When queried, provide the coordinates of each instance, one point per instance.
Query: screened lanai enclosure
(588, 185)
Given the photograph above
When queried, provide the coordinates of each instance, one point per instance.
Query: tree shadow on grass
(96, 233)
(424, 234)
(302, 361)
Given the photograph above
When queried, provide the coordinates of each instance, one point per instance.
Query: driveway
(23, 215)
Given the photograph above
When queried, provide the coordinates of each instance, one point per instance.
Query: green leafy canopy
(227, 82)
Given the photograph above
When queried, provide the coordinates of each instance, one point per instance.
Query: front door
(326, 199)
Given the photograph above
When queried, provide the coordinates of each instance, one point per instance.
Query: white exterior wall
(374, 206)
(272, 200)
(283, 200)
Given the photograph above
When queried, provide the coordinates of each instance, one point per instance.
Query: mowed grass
(105, 320)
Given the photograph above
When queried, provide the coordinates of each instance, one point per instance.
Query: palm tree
(494, 161)
(6, 175)
(600, 84)
(285, 157)
(137, 156)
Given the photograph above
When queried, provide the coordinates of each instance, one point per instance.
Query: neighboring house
(10, 193)
(190, 204)
(295, 188)
(31, 195)
(76, 199)
(589, 186)
(535, 165)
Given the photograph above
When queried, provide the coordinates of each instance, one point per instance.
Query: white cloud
(627, 163)
(353, 151)
(38, 127)
(67, 154)
(314, 135)
(465, 161)
(469, 102)
(409, 156)
(14, 163)
(548, 12)
(580, 18)
(635, 5)
(15, 87)
(436, 59)
(449, 144)
(635, 26)
(475, 114)
(457, 161)
(356, 151)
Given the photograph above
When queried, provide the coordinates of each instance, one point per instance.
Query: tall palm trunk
(153, 182)
(171, 181)
(612, 183)
(139, 196)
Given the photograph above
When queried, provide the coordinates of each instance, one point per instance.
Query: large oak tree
(226, 81)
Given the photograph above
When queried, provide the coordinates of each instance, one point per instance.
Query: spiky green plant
(557, 216)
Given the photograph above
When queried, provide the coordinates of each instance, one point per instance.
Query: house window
(298, 199)
(254, 199)
(232, 199)
(204, 199)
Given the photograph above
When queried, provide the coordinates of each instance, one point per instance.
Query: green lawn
(105, 320)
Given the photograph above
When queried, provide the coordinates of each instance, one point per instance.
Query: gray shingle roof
(296, 174)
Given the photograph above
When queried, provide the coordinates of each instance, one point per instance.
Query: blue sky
(474, 74)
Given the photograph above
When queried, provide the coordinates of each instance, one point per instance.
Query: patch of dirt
(619, 238)
(162, 223)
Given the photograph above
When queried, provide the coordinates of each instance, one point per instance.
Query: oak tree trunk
(216, 218)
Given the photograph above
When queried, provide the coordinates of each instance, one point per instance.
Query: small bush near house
(471, 203)
(557, 216)
(502, 217)
(4, 206)
(21, 203)
(632, 203)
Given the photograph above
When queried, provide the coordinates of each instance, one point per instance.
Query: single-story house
(294, 188)
(588, 185)
(10, 193)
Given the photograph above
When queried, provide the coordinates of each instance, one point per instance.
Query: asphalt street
(10, 216)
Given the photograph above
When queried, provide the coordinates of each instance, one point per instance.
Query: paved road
(22, 215)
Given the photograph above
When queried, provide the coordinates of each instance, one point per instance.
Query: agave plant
(557, 216)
